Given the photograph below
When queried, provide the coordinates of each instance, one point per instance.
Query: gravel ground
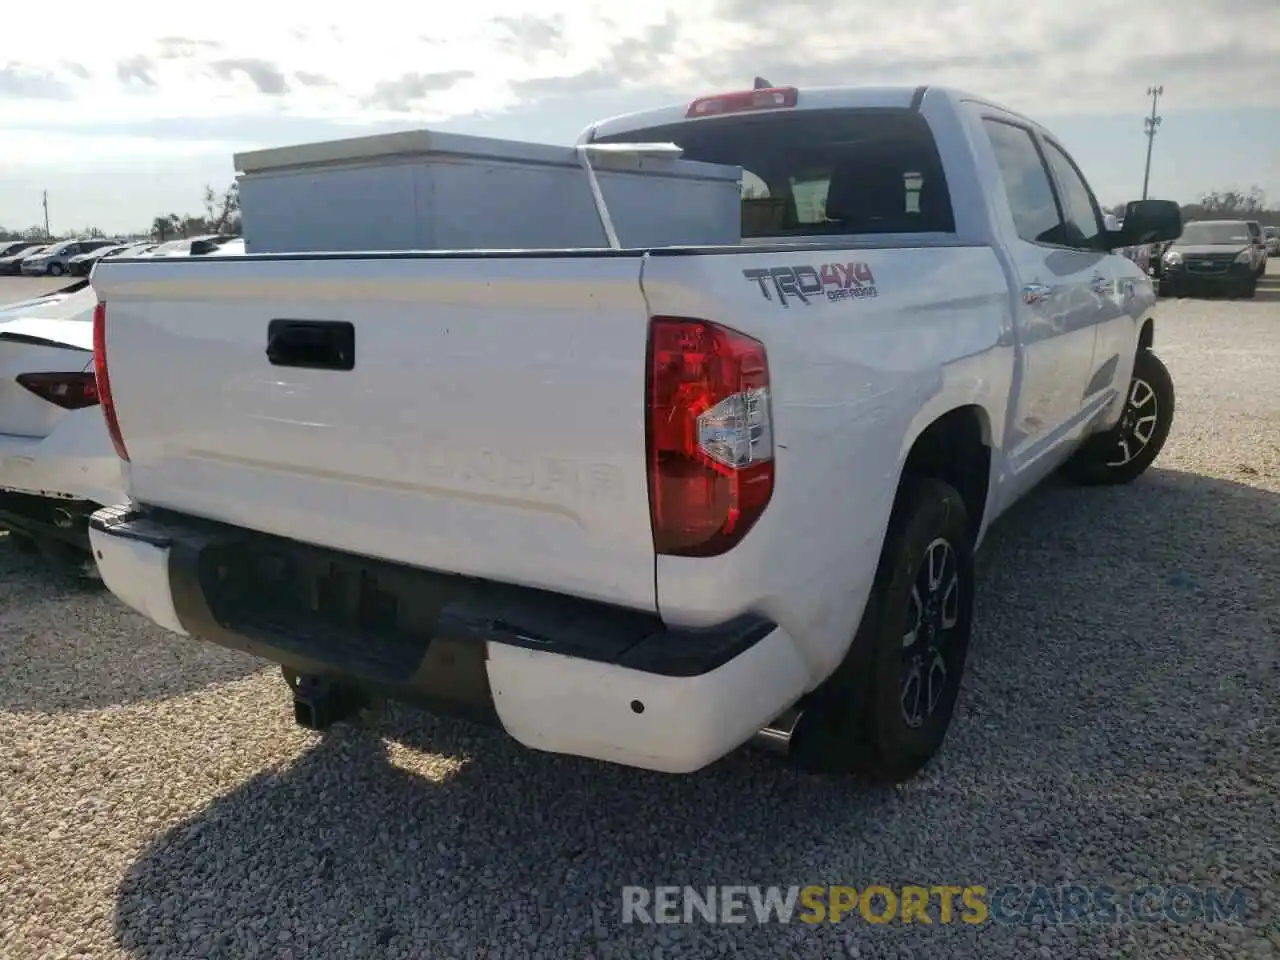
(1119, 726)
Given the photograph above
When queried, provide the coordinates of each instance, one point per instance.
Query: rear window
(816, 172)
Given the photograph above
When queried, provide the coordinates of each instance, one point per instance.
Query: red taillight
(71, 391)
(104, 382)
(710, 436)
(770, 98)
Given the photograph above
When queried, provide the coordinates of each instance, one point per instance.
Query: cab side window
(1026, 183)
(1084, 221)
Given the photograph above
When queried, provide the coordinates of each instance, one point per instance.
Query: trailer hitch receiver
(320, 702)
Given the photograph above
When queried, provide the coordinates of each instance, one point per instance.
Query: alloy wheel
(934, 611)
(1137, 423)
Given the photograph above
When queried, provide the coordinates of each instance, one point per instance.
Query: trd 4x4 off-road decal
(833, 281)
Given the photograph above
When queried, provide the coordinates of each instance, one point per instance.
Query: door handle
(1036, 293)
(316, 344)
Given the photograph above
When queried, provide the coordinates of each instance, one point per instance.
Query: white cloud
(160, 77)
(375, 59)
(368, 61)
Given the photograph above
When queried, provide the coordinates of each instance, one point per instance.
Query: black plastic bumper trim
(220, 594)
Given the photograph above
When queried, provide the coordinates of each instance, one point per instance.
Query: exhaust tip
(776, 737)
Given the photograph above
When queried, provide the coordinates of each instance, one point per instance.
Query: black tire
(56, 270)
(1248, 290)
(1121, 455)
(858, 721)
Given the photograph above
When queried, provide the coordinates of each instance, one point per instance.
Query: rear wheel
(1124, 452)
(886, 710)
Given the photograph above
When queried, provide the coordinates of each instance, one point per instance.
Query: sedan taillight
(71, 391)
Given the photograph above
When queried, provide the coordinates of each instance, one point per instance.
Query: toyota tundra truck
(644, 505)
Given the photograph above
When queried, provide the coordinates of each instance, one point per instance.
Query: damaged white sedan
(57, 464)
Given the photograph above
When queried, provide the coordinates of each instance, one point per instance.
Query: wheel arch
(1147, 334)
(956, 447)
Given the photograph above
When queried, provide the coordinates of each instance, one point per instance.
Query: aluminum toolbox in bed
(422, 190)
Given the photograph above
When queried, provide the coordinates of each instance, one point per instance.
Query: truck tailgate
(491, 424)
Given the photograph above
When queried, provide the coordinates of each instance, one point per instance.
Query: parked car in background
(232, 248)
(9, 248)
(166, 247)
(57, 462)
(1259, 240)
(201, 246)
(11, 264)
(81, 265)
(191, 246)
(54, 260)
(1218, 255)
(1271, 236)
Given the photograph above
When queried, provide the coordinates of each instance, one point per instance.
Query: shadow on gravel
(67, 644)
(1122, 675)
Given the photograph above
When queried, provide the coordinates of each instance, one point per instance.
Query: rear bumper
(76, 461)
(557, 673)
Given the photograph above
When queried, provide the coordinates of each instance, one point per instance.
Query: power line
(1151, 124)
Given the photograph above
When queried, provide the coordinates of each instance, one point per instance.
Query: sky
(123, 112)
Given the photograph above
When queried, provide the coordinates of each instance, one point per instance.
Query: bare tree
(222, 210)
(194, 226)
(1228, 204)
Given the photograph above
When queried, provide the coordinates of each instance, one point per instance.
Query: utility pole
(47, 234)
(1151, 124)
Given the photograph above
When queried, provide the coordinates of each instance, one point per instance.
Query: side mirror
(1149, 221)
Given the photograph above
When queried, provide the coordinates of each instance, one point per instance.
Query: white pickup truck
(644, 505)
